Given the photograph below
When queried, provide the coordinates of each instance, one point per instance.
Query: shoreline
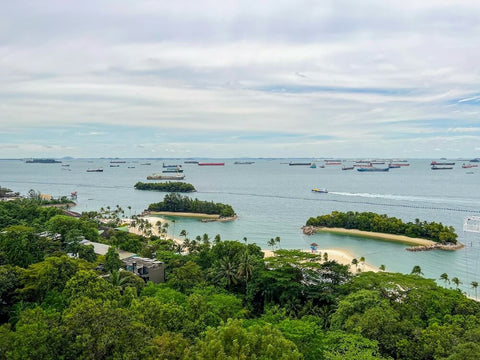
(343, 257)
(424, 243)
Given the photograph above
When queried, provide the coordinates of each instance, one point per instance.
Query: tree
(21, 246)
(186, 277)
(417, 270)
(233, 341)
(355, 262)
(112, 260)
(49, 275)
(382, 267)
(89, 284)
(456, 281)
(72, 240)
(445, 278)
(271, 243)
(474, 286)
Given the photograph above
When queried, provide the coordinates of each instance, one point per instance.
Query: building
(148, 269)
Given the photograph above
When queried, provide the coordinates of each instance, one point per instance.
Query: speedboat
(318, 190)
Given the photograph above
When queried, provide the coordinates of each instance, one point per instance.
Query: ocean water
(273, 199)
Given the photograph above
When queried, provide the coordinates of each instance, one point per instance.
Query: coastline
(341, 256)
(375, 235)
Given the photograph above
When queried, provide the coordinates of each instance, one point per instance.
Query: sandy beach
(375, 235)
(341, 256)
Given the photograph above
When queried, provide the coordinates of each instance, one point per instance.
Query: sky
(121, 78)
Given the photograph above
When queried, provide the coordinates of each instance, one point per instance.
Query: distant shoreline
(424, 243)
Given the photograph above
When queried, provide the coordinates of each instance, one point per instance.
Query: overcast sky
(240, 78)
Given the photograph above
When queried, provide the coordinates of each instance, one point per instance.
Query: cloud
(374, 77)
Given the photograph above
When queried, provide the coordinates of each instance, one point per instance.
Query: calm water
(274, 199)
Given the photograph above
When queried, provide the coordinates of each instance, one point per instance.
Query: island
(425, 235)
(176, 204)
(166, 186)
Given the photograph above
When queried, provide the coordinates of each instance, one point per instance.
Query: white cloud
(379, 69)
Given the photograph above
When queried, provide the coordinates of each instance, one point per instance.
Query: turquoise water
(274, 199)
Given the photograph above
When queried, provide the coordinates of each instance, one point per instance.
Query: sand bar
(376, 235)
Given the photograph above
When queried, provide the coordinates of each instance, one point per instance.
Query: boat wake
(404, 197)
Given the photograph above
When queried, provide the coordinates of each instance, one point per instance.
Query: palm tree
(245, 268)
(217, 239)
(417, 270)
(474, 286)
(183, 233)
(445, 278)
(206, 240)
(382, 267)
(271, 243)
(362, 260)
(228, 271)
(355, 262)
(325, 256)
(456, 281)
(277, 241)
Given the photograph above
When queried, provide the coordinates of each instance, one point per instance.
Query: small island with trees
(166, 186)
(177, 205)
(430, 235)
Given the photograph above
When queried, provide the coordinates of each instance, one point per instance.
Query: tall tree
(112, 260)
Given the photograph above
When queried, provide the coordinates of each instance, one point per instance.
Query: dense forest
(177, 203)
(222, 300)
(368, 221)
(166, 186)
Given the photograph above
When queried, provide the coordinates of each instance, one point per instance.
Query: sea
(274, 199)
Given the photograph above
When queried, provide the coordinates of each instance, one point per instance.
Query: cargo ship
(291, 163)
(244, 162)
(372, 169)
(95, 170)
(436, 167)
(434, 163)
(211, 164)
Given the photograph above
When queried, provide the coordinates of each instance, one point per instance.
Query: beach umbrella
(314, 244)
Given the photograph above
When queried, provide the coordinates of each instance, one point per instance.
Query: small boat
(435, 167)
(169, 166)
(468, 166)
(434, 163)
(173, 170)
(65, 164)
(166, 177)
(333, 163)
(318, 190)
(131, 167)
(372, 169)
(394, 166)
(147, 163)
(114, 165)
(244, 162)
(95, 170)
(291, 163)
(313, 165)
(190, 162)
(211, 164)
(347, 167)
(117, 162)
